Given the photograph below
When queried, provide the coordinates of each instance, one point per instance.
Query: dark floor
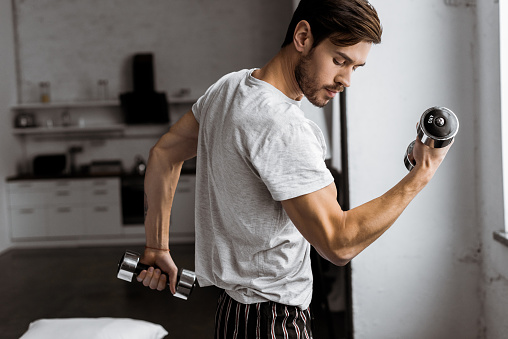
(81, 282)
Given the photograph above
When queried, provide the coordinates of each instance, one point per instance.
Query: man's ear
(302, 37)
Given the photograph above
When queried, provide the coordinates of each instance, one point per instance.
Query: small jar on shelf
(45, 91)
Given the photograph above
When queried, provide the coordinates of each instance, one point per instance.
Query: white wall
(421, 278)
(8, 147)
(494, 292)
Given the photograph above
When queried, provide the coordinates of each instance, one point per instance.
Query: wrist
(420, 176)
(160, 249)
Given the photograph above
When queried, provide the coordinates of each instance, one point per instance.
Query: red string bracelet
(158, 249)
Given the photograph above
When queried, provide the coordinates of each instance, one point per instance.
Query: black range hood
(144, 105)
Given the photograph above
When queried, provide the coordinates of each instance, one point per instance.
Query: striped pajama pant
(267, 320)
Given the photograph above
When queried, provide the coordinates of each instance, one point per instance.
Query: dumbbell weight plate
(437, 127)
(127, 266)
(407, 161)
(185, 284)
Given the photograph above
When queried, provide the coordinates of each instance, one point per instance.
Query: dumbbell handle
(129, 266)
(143, 267)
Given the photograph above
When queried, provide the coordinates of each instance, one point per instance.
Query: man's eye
(337, 62)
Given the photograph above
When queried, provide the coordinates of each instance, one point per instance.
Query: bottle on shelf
(45, 91)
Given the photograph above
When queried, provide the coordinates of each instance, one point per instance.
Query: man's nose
(344, 77)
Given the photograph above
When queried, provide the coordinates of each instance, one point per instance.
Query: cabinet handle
(100, 192)
(101, 209)
(63, 193)
(25, 185)
(62, 183)
(100, 183)
(183, 190)
(64, 210)
(26, 211)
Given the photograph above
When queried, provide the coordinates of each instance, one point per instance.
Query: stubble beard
(307, 83)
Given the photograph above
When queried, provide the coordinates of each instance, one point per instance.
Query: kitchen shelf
(87, 104)
(65, 104)
(68, 129)
(120, 129)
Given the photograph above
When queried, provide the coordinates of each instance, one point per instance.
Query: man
(263, 193)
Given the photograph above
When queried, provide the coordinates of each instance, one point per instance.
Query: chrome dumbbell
(129, 266)
(437, 128)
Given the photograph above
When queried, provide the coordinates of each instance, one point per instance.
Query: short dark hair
(345, 22)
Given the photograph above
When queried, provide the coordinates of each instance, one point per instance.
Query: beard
(308, 84)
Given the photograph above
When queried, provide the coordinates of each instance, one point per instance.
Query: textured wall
(422, 278)
(73, 43)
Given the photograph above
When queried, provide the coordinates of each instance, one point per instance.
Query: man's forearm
(161, 179)
(162, 174)
(366, 223)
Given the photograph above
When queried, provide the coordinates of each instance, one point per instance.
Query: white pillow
(98, 328)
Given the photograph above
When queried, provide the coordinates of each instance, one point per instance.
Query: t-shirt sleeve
(291, 161)
(197, 108)
(210, 97)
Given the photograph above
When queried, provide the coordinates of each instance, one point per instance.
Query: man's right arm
(162, 174)
(341, 235)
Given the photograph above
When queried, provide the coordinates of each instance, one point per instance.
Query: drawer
(65, 195)
(32, 199)
(28, 222)
(103, 219)
(113, 183)
(28, 186)
(102, 195)
(64, 221)
(70, 184)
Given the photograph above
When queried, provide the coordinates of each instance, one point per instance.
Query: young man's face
(327, 69)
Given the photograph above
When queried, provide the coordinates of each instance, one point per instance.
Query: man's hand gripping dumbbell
(437, 128)
(182, 285)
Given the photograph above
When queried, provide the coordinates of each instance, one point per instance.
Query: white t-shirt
(255, 149)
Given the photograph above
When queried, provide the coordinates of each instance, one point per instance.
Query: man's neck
(279, 72)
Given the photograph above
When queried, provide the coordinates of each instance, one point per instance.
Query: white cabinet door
(28, 214)
(64, 192)
(65, 208)
(103, 219)
(182, 211)
(65, 221)
(28, 222)
(102, 207)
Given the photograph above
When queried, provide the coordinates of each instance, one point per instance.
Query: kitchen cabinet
(89, 210)
(64, 208)
(182, 211)
(27, 209)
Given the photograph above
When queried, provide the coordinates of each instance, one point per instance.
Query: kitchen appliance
(106, 167)
(133, 194)
(144, 105)
(49, 164)
(140, 166)
(24, 120)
